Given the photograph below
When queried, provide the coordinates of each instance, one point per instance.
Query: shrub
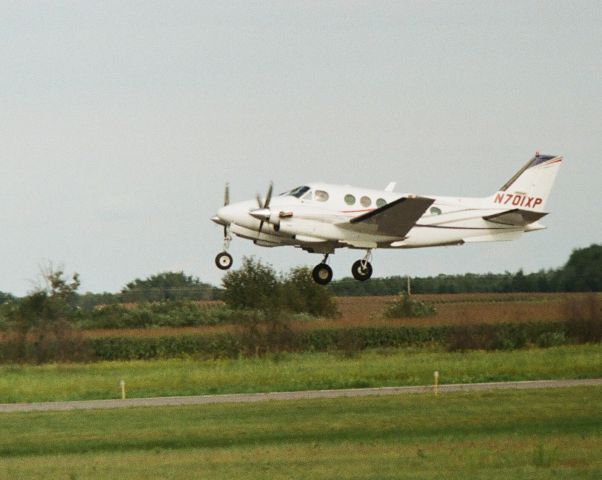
(161, 314)
(405, 307)
(301, 294)
(551, 339)
(584, 318)
(39, 327)
(255, 286)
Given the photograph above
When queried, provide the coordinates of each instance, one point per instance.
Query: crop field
(452, 309)
(535, 434)
(293, 371)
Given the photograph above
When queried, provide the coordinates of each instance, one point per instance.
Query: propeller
(265, 205)
(226, 203)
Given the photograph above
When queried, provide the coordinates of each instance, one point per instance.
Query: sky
(120, 123)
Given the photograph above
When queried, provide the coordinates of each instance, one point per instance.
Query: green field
(286, 372)
(534, 434)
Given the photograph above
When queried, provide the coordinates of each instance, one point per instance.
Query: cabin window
(435, 211)
(321, 196)
(349, 199)
(365, 201)
(381, 202)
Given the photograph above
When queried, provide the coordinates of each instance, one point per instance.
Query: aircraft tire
(322, 274)
(361, 271)
(223, 261)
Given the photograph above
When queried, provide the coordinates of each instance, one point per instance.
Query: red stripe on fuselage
(357, 211)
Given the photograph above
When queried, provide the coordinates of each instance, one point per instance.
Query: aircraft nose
(226, 214)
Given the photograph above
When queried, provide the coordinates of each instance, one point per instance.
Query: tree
(40, 324)
(583, 271)
(256, 286)
(253, 286)
(167, 286)
(301, 294)
(5, 297)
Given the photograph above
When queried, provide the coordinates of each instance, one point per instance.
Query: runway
(300, 395)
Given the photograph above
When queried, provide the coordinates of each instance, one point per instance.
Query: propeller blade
(268, 197)
(259, 203)
(227, 195)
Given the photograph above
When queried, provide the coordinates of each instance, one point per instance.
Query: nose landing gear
(223, 260)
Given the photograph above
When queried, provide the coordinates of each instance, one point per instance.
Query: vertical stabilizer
(530, 187)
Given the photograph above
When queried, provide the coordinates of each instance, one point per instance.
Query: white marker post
(122, 385)
(436, 382)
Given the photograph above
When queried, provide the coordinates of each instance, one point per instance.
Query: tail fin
(530, 187)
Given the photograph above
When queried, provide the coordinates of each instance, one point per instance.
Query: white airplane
(319, 217)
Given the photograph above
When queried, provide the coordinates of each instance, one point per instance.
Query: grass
(533, 434)
(287, 372)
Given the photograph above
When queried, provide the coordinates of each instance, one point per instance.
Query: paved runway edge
(299, 395)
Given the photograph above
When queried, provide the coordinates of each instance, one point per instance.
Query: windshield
(296, 192)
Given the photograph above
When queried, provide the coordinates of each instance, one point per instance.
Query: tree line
(581, 273)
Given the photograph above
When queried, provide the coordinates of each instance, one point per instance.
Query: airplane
(321, 217)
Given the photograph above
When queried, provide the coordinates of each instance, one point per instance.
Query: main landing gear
(361, 270)
(322, 273)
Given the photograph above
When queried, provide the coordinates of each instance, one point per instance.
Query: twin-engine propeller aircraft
(319, 217)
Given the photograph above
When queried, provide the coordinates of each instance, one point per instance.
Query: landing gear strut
(362, 269)
(223, 260)
(322, 273)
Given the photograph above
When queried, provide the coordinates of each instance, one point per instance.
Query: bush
(39, 327)
(161, 314)
(405, 307)
(584, 318)
(551, 339)
(256, 286)
(501, 336)
(301, 294)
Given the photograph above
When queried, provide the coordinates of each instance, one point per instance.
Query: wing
(515, 217)
(395, 219)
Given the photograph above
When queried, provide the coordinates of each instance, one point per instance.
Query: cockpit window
(296, 192)
(321, 196)
(307, 196)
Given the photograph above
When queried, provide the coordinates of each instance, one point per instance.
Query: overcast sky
(121, 121)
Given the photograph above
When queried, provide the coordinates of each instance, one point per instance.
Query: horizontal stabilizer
(396, 218)
(516, 217)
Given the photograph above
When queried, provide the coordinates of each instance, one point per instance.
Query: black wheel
(223, 261)
(322, 274)
(361, 270)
